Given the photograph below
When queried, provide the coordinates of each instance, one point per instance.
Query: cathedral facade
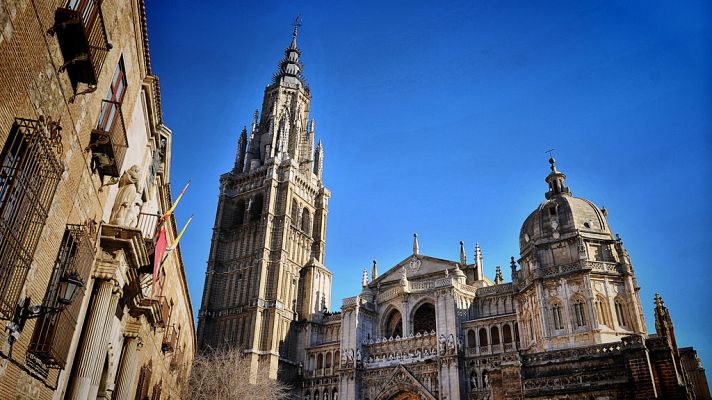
(569, 324)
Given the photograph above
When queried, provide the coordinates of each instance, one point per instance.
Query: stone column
(127, 370)
(93, 346)
(108, 323)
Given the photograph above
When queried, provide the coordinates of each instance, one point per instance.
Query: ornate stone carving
(127, 204)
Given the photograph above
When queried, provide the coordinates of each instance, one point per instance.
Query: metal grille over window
(53, 331)
(29, 176)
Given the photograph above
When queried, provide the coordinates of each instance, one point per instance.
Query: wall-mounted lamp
(69, 285)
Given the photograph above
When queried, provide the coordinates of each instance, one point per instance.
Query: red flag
(161, 244)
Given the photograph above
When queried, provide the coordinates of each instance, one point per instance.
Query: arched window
(516, 333)
(337, 359)
(424, 319)
(602, 311)
(483, 337)
(394, 324)
(328, 360)
(620, 312)
(556, 316)
(306, 221)
(295, 212)
(473, 380)
(471, 339)
(320, 361)
(579, 312)
(239, 217)
(494, 333)
(311, 362)
(256, 208)
(507, 334)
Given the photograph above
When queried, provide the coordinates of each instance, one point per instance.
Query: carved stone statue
(127, 203)
(358, 355)
(442, 342)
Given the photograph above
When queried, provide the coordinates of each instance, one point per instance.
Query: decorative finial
(498, 276)
(513, 266)
(374, 273)
(364, 278)
(416, 247)
(463, 256)
(479, 263)
(552, 161)
(659, 303)
(556, 180)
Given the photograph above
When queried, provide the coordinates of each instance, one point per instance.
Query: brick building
(569, 325)
(85, 180)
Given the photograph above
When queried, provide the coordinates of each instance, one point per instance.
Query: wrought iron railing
(81, 34)
(53, 332)
(29, 175)
(170, 338)
(108, 139)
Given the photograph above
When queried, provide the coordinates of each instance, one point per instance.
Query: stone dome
(561, 214)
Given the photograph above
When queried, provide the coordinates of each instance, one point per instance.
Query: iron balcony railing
(108, 139)
(170, 339)
(81, 34)
(147, 223)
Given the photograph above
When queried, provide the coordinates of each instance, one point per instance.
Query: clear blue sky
(435, 117)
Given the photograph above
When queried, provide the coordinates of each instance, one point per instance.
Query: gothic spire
(319, 160)
(364, 278)
(416, 247)
(556, 181)
(290, 68)
(463, 256)
(241, 148)
(374, 273)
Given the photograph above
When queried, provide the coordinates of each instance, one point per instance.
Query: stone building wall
(33, 87)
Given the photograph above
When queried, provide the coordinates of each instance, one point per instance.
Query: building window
(29, 175)
(579, 313)
(306, 221)
(620, 312)
(424, 319)
(394, 325)
(255, 207)
(602, 311)
(556, 313)
(108, 139)
(53, 331)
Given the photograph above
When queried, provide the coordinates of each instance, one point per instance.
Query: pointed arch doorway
(405, 395)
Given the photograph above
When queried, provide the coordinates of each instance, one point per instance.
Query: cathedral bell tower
(270, 230)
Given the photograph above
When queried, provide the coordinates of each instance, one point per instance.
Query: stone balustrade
(399, 350)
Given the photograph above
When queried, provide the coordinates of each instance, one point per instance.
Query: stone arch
(471, 339)
(327, 363)
(578, 311)
(621, 311)
(506, 333)
(295, 212)
(603, 314)
(392, 324)
(320, 361)
(423, 318)
(494, 334)
(483, 337)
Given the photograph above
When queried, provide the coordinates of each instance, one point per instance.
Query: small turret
(374, 272)
(663, 321)
(364, 278)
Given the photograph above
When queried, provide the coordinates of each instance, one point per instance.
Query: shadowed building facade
(569, 324)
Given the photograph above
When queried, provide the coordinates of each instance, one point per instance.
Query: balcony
(155, 309)
(81, 34)
(108, 140)
(170, 339)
